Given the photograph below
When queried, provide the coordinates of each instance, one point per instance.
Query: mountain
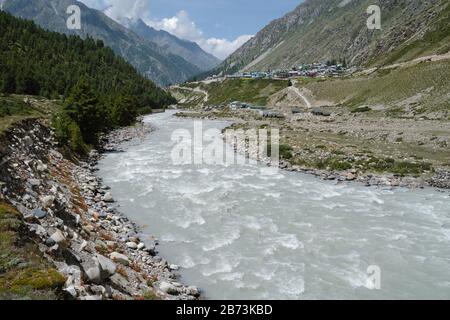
(150, 59)
(190, 51)
(35, 61)
(321, 30)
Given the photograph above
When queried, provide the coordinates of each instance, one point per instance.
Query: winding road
(300, 94)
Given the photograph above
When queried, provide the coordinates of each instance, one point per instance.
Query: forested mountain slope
(150, 59)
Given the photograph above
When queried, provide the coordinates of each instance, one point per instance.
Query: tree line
(100, 89)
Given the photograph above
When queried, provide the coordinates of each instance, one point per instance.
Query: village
(320, 69)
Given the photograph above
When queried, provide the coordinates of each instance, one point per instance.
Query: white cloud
(132, 9)
(183, 27)
(222, 48)
(180, 25)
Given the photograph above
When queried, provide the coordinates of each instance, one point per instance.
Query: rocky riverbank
(76, 223)
(439, 179)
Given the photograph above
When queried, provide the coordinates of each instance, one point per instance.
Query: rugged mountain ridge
(321, 30)
(190, 51)
(147, 57)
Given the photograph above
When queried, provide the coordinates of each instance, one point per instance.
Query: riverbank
(73, 220)
(315, 145)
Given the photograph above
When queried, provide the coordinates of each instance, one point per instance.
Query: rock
(82, 246)
(108, 197)
(141, 246)
(94, 274)
(47, 201)
(73, 274)
(71, 290)
(174, 267)
(41, 168)
(50, 242)
(99, 290)
(151, 251)
(28, 141)
(133, 239)
(107, 266)
(350, 177)
(111, 245)
(193, 291)
(39, 213)
(132, 245)
(58, 237)
(34, 182)
(168, 288)
(120, 258)
(119, 281)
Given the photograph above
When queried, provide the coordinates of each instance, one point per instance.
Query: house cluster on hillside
(329, 69)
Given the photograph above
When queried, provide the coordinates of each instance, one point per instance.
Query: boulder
(174, 267)
(94, 274)
(47, 201)
(119, 258)
(107, 266)
(50, 242)
(108, 197)
(141, 246)
(192, 291)
(58, 237)
(350, 176)
(41, 167)
(39, 213)
(168, 288)
(34, 182)
(120, 282)
(132, 245)
(71, 290)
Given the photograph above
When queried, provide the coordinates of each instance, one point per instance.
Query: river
(239, 234)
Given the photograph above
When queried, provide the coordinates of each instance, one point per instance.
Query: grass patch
(14, 109)
(24, 273)
(255, 91)
(285, 151)
(390, 88)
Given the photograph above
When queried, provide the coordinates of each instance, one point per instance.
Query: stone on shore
(108, 197)
(47, 201)
(94, 274)
(39, 213)
(132, 245)
(168, 288)
(107, 266)
(119, 258)
(58, 237)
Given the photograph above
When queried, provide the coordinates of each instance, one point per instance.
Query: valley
(118, 180)
(381, 126)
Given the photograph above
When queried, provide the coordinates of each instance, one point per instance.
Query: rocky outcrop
(99, 251)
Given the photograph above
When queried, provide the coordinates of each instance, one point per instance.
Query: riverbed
(237, 233)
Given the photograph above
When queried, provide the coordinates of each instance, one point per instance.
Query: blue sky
(226, 18)
(218, 26)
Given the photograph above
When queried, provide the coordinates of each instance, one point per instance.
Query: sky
(218, 26)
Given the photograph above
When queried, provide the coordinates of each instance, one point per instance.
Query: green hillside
(100, 89)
